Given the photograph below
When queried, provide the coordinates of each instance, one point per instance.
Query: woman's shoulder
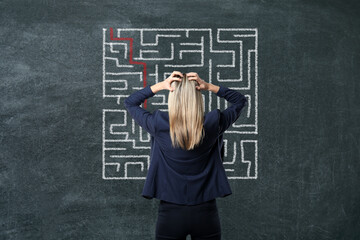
(213, 115)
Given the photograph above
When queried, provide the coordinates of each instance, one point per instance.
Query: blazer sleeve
(232, 113)
(141, 116)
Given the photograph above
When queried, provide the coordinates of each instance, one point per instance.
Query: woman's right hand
(193, 76)
(175, 76)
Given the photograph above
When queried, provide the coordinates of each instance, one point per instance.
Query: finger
(176, 72)
(176, 77)
(193, 74)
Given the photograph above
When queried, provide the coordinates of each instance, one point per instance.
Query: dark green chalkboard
(304, 118)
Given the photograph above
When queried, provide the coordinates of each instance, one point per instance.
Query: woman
(186, 171)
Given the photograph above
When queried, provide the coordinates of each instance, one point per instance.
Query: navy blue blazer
(180, 176)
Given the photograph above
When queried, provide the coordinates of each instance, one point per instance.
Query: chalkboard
(292, 158)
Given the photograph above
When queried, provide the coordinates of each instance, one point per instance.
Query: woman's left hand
(173, 77)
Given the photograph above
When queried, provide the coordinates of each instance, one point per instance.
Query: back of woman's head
(186, 114)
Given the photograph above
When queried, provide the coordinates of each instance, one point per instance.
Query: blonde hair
(186, 114)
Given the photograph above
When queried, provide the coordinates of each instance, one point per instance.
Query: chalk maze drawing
(136, 57)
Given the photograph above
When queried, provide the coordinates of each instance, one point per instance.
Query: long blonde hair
(186, 114)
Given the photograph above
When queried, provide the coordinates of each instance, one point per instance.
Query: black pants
(175, 221)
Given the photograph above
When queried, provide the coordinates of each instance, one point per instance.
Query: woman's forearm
(213, 88)
(157, 87)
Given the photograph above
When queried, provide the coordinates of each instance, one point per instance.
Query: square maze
(134, 58)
